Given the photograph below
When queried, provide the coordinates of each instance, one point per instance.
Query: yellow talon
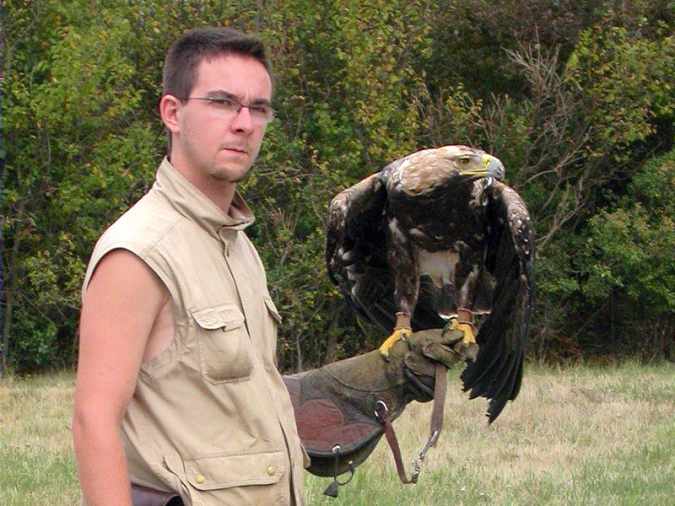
(396, 336)
(466, 328)
(467, 347)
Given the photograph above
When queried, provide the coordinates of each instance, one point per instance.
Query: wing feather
(355, 254)
(497, 372)
(357, 260)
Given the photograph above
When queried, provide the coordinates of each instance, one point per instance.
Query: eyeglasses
(229, 106)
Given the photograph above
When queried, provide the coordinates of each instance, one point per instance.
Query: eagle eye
(465, 159)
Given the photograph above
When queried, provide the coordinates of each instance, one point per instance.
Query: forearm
(101, 463)
(335, 405)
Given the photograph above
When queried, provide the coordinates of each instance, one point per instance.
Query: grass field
(582, 435)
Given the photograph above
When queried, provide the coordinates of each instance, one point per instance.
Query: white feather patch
(439, 266)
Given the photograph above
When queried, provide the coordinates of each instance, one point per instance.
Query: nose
(242, 121)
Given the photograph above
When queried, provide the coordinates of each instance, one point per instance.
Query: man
(177, 388)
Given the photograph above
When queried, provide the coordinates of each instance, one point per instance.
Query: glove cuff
(335, 405)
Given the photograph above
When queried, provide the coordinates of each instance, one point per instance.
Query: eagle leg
(463, 321)
(402, 259)
(402, 329)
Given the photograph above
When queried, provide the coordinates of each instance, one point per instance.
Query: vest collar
(194, 205)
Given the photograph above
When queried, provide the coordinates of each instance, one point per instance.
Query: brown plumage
(433, 235)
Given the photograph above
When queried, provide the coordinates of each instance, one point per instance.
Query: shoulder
(123, 268)
(137, 231)
(143, 225)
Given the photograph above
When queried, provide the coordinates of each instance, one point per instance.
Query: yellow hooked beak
(494, 167)
(489, 166)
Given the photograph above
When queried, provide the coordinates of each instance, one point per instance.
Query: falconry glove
(338, 406)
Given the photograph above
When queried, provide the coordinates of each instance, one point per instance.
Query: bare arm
(120, 307)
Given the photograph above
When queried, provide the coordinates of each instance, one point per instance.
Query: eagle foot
(467, 351)
(467, 347)
(396, 336)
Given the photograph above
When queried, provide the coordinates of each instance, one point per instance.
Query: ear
(169, 109)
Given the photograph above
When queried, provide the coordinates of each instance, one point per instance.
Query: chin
(230, 176)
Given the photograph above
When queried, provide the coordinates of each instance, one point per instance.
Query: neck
(220, 192)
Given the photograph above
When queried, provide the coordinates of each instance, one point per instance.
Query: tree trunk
(298, 350)
(331, 348)
(332, 339)
(3, 346)
(9, 291)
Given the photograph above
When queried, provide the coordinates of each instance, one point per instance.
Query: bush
(574, 105)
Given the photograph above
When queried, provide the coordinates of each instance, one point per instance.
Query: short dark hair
(185, 55)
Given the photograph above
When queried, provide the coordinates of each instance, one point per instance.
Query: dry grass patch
(583, 435)
(36, 461)
(573, 436)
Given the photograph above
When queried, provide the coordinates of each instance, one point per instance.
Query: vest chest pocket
(224, 345)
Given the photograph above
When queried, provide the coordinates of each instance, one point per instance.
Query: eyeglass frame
(228, 97)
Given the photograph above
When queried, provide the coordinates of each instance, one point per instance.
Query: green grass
(580, 435)
(36, 458)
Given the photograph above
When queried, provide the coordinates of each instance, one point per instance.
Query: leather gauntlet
(335, 405)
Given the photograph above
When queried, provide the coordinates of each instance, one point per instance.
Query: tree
(574, 97)
(3, 341)
(73, 135)
(628, 269)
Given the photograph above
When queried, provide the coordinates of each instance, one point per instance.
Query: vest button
(271, 470)
(200, 478)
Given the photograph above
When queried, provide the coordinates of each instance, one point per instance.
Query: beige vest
(210, 416)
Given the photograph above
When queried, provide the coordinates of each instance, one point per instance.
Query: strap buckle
(417, 463)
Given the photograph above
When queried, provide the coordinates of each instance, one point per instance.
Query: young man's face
(212, 142)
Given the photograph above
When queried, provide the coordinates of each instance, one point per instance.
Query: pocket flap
(272, 309)
(214, 473)
(224, 316)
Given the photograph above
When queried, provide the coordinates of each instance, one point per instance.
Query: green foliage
(469, 38)
(78, 156)
(615, 277)
(632, 246)
(345, 87)
(626, 82)
(572, 96)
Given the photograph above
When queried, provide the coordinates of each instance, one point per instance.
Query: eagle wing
(497, 372)
(356, 256)
(355, 247)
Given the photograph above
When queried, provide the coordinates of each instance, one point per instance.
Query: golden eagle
(433, 239)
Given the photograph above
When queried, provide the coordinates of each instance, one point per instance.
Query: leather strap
(440, 392)
(382, 414)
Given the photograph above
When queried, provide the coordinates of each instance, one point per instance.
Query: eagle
(437, 239)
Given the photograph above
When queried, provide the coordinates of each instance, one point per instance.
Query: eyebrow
(226, 94)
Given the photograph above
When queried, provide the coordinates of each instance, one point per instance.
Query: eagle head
(476, 163)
